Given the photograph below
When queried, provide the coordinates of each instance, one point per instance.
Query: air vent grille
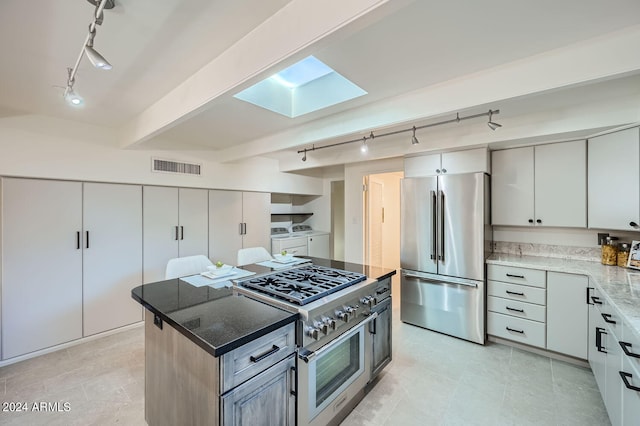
(168, 166)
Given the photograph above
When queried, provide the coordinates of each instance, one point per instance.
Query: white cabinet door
(567, 314)
(41, 264)
(256, 214)
(160, 230)
(467, 161)
(561, 184)
(112, 255)
(512, 187)
(614, 180)
(597, 348)
(423, 165)
(225, 217)
(630, 397)
(193, 220)
(319, 246)
(613, 383)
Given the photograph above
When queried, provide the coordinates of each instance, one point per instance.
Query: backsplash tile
(547, 250)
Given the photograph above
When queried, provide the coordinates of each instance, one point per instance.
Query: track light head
(364, 148)
(304, 157)
(72, 97)
(414, 140)
(491, 124)
(97, 59)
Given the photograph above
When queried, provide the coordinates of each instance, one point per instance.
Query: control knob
(331, 323)
(344, 316)
(322, 326)
(313, 333)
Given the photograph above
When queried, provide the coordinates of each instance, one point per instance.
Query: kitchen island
(215, 356)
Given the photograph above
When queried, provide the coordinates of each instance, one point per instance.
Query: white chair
(189, 265)
(250, 255)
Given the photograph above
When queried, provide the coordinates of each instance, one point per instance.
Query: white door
(225, 216)
(614, 180)
(561, 184)
(567, 314)
(375, 213)
(41, 264)
(194, 222)
(512, 187)
(112, 256)
(256, 213)
(160, 230)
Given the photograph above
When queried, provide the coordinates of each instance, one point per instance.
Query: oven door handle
(308, 356)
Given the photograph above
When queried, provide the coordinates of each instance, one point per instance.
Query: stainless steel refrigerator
(445, 239)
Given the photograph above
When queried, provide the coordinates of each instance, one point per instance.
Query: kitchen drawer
(520, 330)
(249, 360)
(608, 313)
(509, 274)
(631, 344)
(522, 293)
(292, 245)
(516, 308)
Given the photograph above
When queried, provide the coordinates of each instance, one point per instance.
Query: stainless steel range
(335, 307)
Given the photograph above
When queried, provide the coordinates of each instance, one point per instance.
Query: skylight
(304, 87)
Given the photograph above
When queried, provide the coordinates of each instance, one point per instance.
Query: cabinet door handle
(292, 377)
(182, 232)
(434, 225)
(176, 232)
(599, 332)
(588, 303)
(372, 326)
(596, 300)
(515, 310)
(625, 347)
(628, 385)
(607, 318)
(87, 236)
(539, 221)
(530, 220)
(262, 356)
(78, 240)
(515, 276)
(241, 228)
(515, 293)
(633, 224)
(515, 331)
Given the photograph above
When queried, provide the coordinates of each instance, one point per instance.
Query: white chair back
(189, 265)
(250, 255)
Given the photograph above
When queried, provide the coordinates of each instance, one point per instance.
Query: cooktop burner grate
(303, 285)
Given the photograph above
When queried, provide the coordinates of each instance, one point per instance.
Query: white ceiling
(154, 46)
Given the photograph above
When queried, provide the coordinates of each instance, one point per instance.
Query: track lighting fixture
(414, 140)
(96, 59)
(491, 124)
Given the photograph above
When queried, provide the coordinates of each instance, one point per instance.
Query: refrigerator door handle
(449, 280)
(442, 228)
(434, 226)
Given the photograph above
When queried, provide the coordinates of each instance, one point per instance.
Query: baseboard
(550, 354)
(69, 344)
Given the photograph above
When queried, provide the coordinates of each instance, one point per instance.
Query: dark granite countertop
(220, 320)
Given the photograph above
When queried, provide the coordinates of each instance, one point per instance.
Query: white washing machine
(300, 240)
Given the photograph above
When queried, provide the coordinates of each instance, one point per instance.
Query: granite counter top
(620, 285)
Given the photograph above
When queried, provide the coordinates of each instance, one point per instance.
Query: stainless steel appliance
(380, 329)
(445, 239)
(335, 308)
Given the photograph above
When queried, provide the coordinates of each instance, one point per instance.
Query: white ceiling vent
(169, 166)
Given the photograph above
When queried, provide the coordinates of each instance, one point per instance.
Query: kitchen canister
(623, 254)
(609, 252)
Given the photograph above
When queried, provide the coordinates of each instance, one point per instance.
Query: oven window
(336, 367)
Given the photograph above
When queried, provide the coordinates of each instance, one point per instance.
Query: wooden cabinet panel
(515, 275)
(517, 329)
(561, 184)
(518, 292)
(614, 180)
(455, 162)
(512, 186)
(41, 264)
(225, 217)
(112, 255)
(256, 214)
(567, 314)
(161, 233)
(524, 310)
(423, 165)
(193, 219)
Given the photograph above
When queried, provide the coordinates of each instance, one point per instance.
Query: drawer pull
(515, 331)
(625, 347)
(515, 276)
(607, 318)
(624, 376)
(514, 293)
(260, 357)
(599, 332)
(596, 300)
(515, 310)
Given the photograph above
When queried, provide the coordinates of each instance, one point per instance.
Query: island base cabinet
(266, 399)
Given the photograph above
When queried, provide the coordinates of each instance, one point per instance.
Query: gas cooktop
(304, 284)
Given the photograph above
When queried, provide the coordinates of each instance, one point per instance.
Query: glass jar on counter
(609, 252)
(623, 254)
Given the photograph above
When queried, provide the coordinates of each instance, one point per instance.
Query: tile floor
(433, 380)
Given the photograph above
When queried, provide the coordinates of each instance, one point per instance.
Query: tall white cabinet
(236, 220)
(175, 225)
(614, 164)
(545, 185)
(112, 255)
(41, 264)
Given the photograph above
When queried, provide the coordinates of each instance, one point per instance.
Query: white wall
(41, 147)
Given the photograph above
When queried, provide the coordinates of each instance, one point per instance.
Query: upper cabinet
(543, 185)
(468, 161)
(614, 180)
